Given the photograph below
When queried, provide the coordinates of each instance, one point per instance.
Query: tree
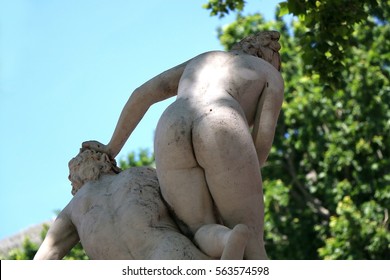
(328, 26)
(327, 181)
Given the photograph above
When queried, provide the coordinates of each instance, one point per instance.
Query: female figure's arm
(156, 89)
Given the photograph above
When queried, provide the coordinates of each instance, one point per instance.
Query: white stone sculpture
(120, 215)
(212, 141)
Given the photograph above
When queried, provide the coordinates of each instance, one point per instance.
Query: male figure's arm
(60, 239)
(159, 88)
(267, 114)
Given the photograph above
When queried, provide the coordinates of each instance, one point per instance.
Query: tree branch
(314, 203)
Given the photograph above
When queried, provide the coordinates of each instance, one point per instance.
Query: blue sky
(66, 70)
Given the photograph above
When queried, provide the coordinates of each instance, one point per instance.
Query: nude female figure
(207, 159)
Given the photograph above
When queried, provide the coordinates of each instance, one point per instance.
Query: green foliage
(26, 253)
(234, 32)
(222, 7)
(356, 233)
(143, 158)
(327, 182)
(327, 27)
(29, 249)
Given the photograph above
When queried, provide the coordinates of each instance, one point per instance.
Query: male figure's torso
(123, 217)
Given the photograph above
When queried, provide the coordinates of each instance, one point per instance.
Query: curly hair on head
(263, 44)
(88, 165)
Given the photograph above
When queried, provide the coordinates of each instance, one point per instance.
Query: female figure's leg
(224, 149)
(184, 188)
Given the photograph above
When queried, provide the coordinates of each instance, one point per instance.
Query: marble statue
(207, 159)
(121, 215)
(211, 143)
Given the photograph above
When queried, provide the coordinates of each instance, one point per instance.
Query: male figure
(207, 160)
(121, 216)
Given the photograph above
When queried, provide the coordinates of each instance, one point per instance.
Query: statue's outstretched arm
(156, 89)
(60, 239)
(267, 114)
